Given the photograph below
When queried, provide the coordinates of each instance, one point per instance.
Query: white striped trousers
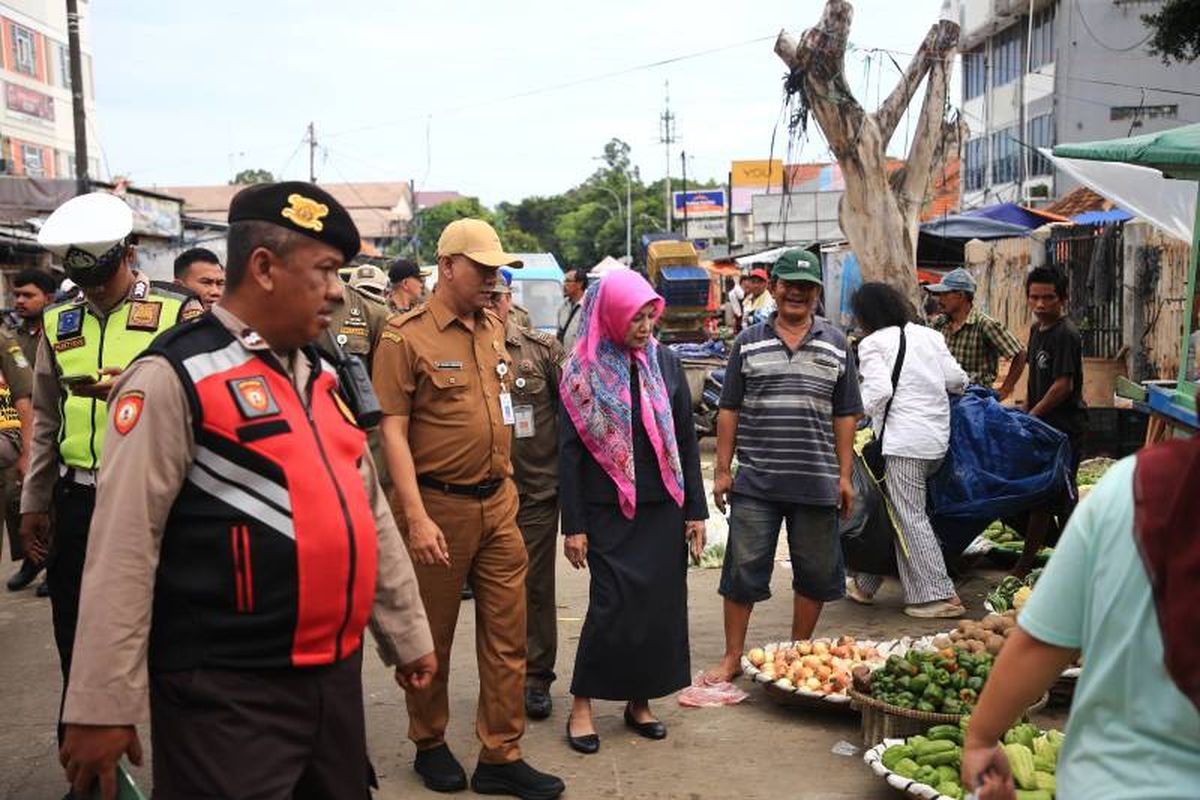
(923, 572)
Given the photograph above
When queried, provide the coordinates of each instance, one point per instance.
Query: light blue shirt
(1131, 733)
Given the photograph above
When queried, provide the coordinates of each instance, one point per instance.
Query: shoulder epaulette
(541, 337)
(398, 320)
(173, 290)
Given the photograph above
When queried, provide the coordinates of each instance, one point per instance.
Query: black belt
(480, 490)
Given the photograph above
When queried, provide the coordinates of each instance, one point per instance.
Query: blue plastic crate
(684, 286)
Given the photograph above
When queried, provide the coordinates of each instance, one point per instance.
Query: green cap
(797, 265)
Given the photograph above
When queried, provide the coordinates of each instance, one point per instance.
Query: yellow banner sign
(761, 174)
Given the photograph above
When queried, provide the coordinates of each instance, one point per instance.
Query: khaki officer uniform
(520, 315)
(16, 383)
(446, 377)
(356, 325)
(537, 364)
(28, 337)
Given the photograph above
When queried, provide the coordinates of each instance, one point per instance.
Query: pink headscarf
(595, 386)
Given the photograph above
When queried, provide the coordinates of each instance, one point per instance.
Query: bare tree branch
(937, 48)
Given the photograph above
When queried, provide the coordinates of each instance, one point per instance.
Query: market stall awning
(961, 226)
(1169, 205)
(1016, 214)
(1175, 153)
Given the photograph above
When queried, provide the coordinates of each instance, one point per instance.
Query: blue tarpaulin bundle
(1001, 462)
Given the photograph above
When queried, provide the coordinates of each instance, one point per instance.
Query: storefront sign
(29, 103)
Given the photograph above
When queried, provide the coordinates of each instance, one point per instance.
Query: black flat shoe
(538, 704)
(440, 770)
(43, 589)
(23, 576)
(586, 744)
(651, 730)
(517, 779)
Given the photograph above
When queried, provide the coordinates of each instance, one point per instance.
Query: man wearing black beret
(241, 542)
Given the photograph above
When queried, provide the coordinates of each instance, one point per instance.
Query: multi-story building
(36, 123)
(1045, 72)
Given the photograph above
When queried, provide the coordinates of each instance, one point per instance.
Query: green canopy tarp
(1175, 152)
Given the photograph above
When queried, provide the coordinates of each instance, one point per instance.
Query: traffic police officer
(87, 339)
(537, 364)
(445, 382)
(241, 538)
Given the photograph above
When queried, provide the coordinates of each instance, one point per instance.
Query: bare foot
(729, 668)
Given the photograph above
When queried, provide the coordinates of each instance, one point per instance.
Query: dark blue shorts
(818, 571)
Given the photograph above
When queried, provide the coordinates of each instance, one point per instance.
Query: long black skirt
(634, 642)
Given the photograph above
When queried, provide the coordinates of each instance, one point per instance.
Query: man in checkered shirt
(976, 340)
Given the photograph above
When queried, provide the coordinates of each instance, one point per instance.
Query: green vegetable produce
(893, 754)
(926, 774)
(1020, 761)
(906, 767)
(944, 758)
(947, 775)
(952, 705)
(950, 789)
(1045, 781)
(950, 732)
(1023, 734)
(931, 746)
(917, 684)
(926, 706)
(1042, 765)
(1033, 794)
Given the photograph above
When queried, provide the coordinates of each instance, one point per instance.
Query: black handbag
(872, 451)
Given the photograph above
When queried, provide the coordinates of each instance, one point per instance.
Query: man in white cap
(370, 280)
(87, 340)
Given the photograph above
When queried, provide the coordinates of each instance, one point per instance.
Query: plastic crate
(684, 286)
(1114, 432)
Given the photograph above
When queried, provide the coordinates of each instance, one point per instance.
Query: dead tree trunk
(879, 214)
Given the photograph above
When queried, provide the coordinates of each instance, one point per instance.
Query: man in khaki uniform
(537, 363)
(445, 383)
(241, 541)
(16, 428)
(356, 324)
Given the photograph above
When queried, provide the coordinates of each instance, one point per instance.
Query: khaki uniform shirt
(444, 374)
(356, 325)
(15, 368)
(47, 410)
(142, 473)
(537, 363)
(28, 338)
(519, 315)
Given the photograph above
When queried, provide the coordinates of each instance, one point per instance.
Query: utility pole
(683, 161)
(312, 153)
(666, 136)
(82, 183)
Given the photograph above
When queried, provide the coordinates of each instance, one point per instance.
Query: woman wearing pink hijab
(632, 503)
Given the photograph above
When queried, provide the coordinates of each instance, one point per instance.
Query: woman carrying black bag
(906, 372)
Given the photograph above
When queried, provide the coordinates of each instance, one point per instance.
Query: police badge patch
(253, 397)
(70, 323)
(143, 316)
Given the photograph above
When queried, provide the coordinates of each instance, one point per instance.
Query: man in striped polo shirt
(789, 407)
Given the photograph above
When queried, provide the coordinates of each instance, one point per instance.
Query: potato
(963, 625)
(942, 641)
(994, 643)
(804, 647)
(757, 657)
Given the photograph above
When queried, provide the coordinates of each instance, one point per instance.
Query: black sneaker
(517, 779)
(440, 770)
(538, 704)
(24, 576)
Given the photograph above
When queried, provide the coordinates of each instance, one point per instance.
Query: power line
(1097, 40)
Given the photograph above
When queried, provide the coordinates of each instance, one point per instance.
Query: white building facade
(37, 136)
(1045, 72)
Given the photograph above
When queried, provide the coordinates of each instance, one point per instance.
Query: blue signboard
(706, 203)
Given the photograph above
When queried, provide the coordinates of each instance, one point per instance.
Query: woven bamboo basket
(882, 720)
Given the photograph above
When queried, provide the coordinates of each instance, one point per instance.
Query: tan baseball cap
(476, 240)
(370, 279)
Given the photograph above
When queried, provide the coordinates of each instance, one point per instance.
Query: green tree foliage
(580, 226)
(250, 176)
(1175, 31)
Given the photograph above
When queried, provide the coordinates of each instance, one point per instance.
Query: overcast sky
(457, 95)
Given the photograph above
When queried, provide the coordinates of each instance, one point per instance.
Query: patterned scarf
(595, 386)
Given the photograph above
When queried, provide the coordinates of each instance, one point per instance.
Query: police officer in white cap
(87, 340)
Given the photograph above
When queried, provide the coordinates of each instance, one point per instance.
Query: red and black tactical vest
(269, 553)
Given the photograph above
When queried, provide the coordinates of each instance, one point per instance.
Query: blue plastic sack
(1000, 462)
